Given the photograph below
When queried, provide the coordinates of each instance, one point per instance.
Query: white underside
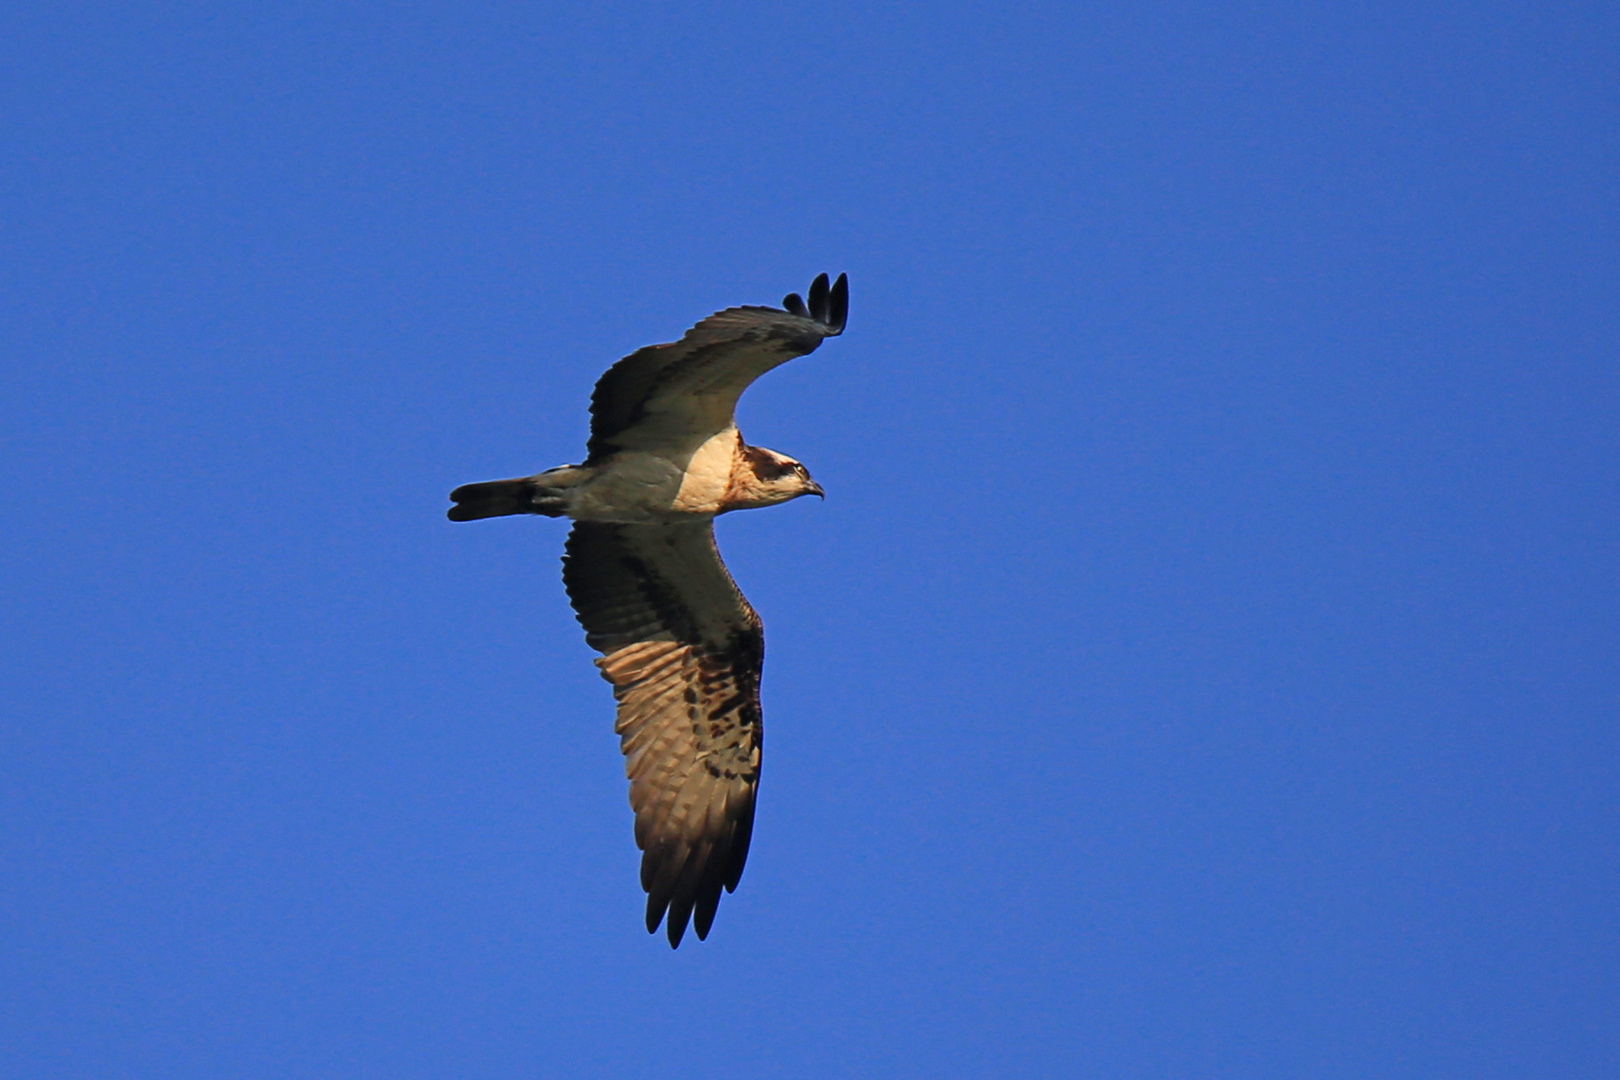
(640, 488)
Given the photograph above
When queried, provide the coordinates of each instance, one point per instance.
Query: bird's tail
(526, 495)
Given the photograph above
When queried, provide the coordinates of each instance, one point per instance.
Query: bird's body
(642, 487)
(682, 646)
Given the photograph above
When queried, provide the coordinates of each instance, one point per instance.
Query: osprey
(681, 645)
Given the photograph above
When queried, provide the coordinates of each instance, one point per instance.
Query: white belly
(636, 487)
(708, 475)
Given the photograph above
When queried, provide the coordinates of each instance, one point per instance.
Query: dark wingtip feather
(676, 927)
(838, 304)
(737, 856)
(655, 913)
(818, 298)
(703, 913)
(829, 304)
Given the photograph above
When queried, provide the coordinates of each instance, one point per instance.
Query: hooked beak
(815, 489)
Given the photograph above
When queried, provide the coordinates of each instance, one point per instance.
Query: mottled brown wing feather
(683, 392)
(683, 652)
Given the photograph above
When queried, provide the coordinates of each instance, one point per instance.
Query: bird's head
(766, 478)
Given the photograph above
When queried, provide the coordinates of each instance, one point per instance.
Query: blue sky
(1204, 664)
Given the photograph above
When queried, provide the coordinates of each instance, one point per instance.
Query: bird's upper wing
(683, 652)
(681, 393)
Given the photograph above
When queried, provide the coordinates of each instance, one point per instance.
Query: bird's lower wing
(683, 650)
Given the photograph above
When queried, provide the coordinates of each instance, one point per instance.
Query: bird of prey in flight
(681, 645)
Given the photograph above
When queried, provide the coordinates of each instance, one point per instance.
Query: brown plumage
(682, 647)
